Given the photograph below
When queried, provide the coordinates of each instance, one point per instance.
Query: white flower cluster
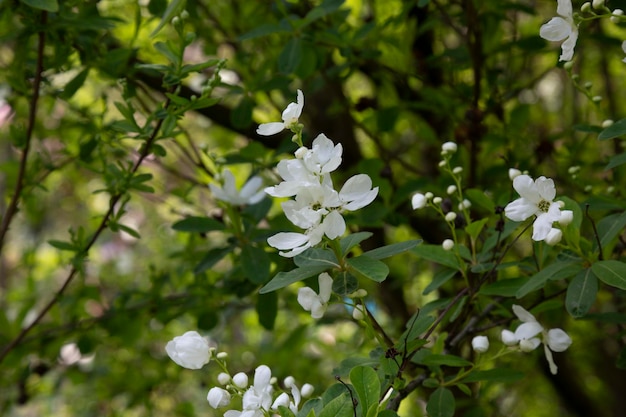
(537, 199)
(192, 351)
(250, 193)
(316, 206)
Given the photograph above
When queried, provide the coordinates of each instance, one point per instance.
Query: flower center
(543, 206)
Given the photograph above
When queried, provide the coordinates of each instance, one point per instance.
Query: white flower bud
(573, 169)
(596, 99)
(442, 164)
(437, 200)
(300, 152)
(597, 4)
(222, 355)
(610, 189)
(451, 189)
(480, 344)
(566, 217)
(513, 173)
(558, 340)
(588, 85)
(307, 390)
(568, 66)
(450, 217)
(448, 147)
(606, 123)
(586, 7)
(457, 170)
(616, 13)
(429, 195)
(465, 204)
(223, 378)
(190, 350)
(447, 244)
(358, 313)
(554, 236)
(218, 397)
(241, 380)
(588, 188)
(418, 201)
(508, 338)
(289, 382)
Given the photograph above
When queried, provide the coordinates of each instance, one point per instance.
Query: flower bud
(218, 397)
(616, 13)
(241, 380)
(448, 147)
(223, 378)
(480, 344)
(586, 7)
(190, 350)
(358, 313)
(566, 217)
(607, 123)
(442, 164)
(222, 355)
(596, 99)
(465, 204)
(508, 338)
(289, 382)
(554, 236)
(447, 244)
(513, 173)
(450, 217)
(307, 390)
(300, 152)
(418, 201)
(457, 170)
(437, 200)
(597, 4)
(588, 85)
(568, 66)
(451, 189)
(558, 340)
(428, 195)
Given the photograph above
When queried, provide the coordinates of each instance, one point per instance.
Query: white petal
(508, 338)
(554, 236)
(564, 8)
(558, 340)
(553, 367)
(527, 345)
(355, 187)
(542, 227)
(526, 188)
(307, 297)
(334, 225)
(567, 47)
(555, 30)
(251, 187)
(545, 188)
(520, 209)
(268, 129)
(326, 284)
(262, 376)
(362, 201)
(523, 314)
(528, 330)
(287, 240)
(282, 399)
(418, 201)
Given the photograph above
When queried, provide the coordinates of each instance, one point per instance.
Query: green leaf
(290, 56)
(198, 225)
(581, 293)
(352, 240)
(447, 360)
(340, 406)
(505, 288)
(441, 403)
(480, 199)
(167, 51)
(255, 263)
(75, 83)
(264, 30)
(174, 8)
(393, 249)
(416, 325)
(441, 277)
(437, 254)
(494, 375)
(316, 257)
(474, 228)
(327, 7)
(611, 226)
(616, 129)
(282, 279)
(211, 258)
(616, 161)
(366, 267)
(59, 244)
(367, 385)
(557, 269)
(345, 283)
(47, 5)
(267, 309)
(611, 272)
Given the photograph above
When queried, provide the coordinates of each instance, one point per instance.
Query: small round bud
(596, 99)
(307, 390)
(457, 170)
(437, 200)
(418, 201)
(610, 189)
(513, 173)
(567, 216)
(508, 338)
(218, 397)
(442, 164)
(568, 65)
(588, 188)
(360, 293)
(573, 169)
(561, 204)
(448, 147)
(447, 244)
(480, 344)
(222, 355)
(428, 195)
(465, 204)
(451, 189)
(575, 77)
(607, 123)
(597, 4)
(223, 378)
(450, 217)
(588, 85)
(289, 382)
(586, 7)
(240, 380)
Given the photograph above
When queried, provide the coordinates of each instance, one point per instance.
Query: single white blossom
(290, 118)
(562, 28)
(250, 193)
(480, 344)
(536, 199)
(554, 340)
(323, 157)
(313, 302)
(190, 350)
(218, 397)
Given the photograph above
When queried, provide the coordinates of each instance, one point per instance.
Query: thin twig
(595, 232)
(32, 115)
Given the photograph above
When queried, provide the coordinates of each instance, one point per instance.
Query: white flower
(290, 118)
(296, 176)
(536, 199)
(448, 147)
(480, 344)
(259, 395)
(554, 236)
(324, 156)
(250, 193)
(553, 340)
(313, 302)
(190, 350)
(218, 397)
(357, 192)
(418, 201)
(560, 28)
(223, 378)
(307, 390)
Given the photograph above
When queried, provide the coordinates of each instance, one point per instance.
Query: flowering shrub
(449, 200)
